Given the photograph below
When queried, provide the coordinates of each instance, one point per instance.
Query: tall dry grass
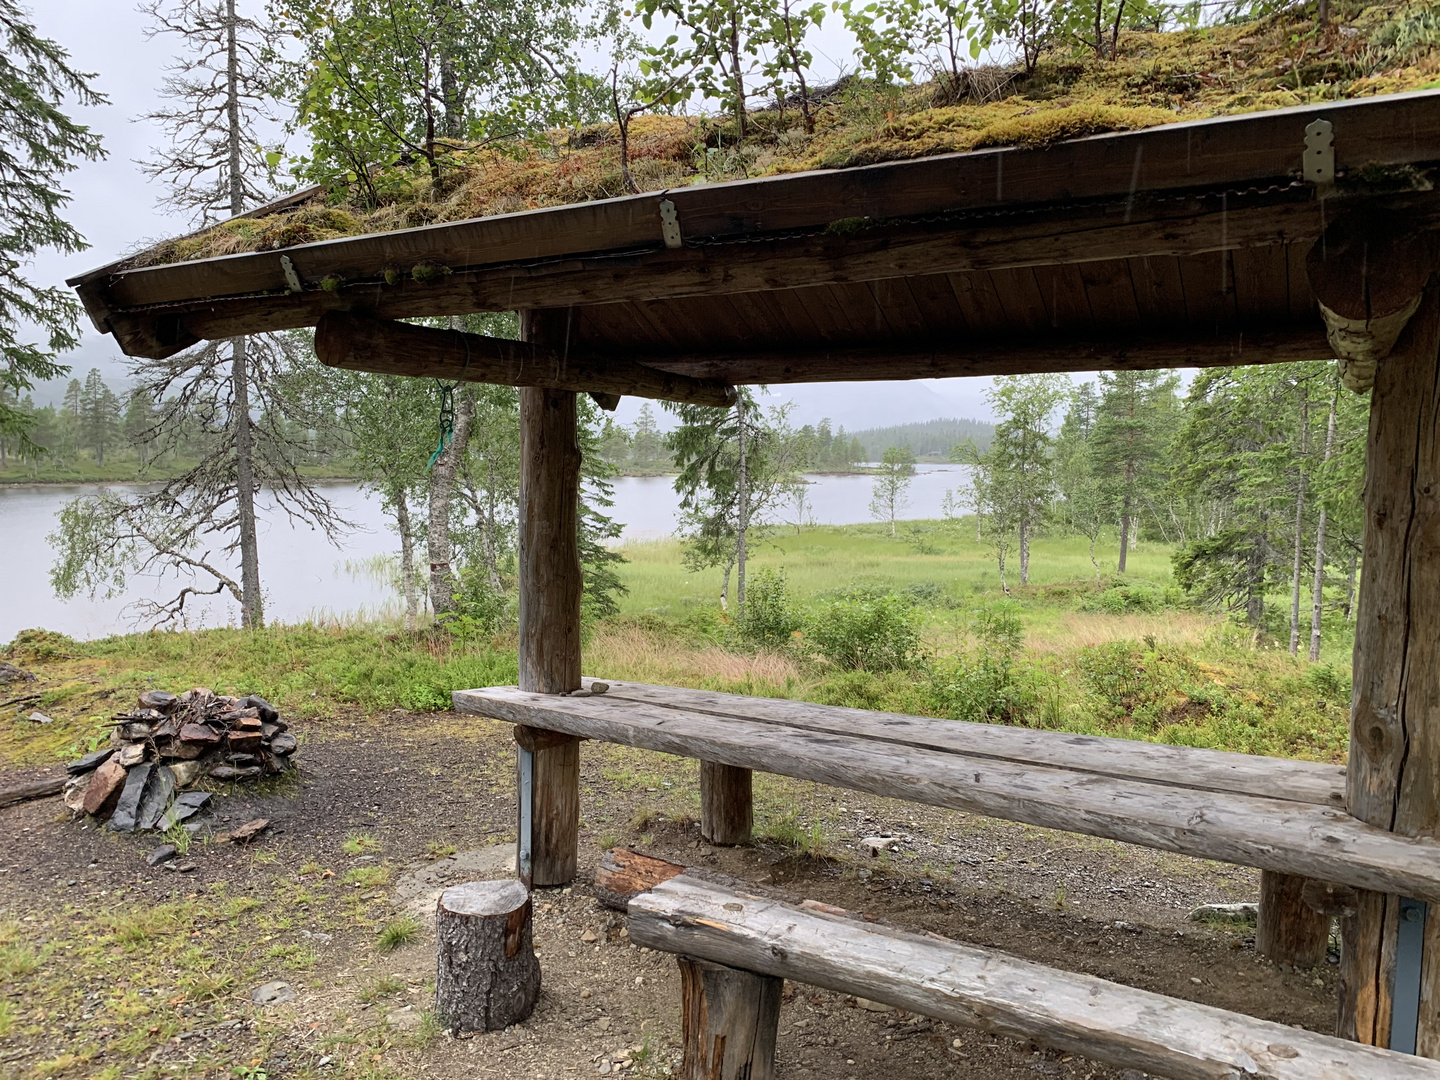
(1073, 630)
(641, 654)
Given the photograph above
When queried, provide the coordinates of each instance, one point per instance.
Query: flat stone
(74, 793)
(90, 762)
(184, 807)
(406, 1019)
(588, 937)
(104, 789)
(198, 733)
(163, 853)
(272, 993)
(874, 845)
(244, 742)
(159, 700)
(229, 772)
(40, 718)
(873, 1006)
(11, 673)
(244, 833)
(185, 772)
(127, 809)
(417, 891)
(599, 687)
(283, 743)
(157, 798)
(263, 708)
(131, 754)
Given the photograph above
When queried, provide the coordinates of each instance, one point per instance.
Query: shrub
(770, 620)
(481, 610)
(868, 630)
(985, 684)
(1125, 597)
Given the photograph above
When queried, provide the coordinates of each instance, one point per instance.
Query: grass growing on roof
(1155, 78)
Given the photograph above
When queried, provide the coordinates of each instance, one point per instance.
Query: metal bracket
(292, 277)
(1409, 954)
(525, 845)
(1318, 160)
(670, 224)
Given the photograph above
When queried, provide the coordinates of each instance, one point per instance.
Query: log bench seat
(1275, 814)
(736, 948)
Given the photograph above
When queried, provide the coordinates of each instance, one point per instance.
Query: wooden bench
(1276, 814)
(736, 948)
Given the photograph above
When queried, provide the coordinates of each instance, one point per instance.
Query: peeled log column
(486, 976)
(1394, 770)
(726, 803)
(550, 587)
(1290, 931)
(730, 1018)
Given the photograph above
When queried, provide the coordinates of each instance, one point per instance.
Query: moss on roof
(1155, 78)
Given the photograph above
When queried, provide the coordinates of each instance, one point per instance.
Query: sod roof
(1155, 79)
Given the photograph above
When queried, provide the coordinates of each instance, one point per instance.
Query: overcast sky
(118, 210)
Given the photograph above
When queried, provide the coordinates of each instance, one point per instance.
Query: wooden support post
(730, 1020)
(486, 975)
(1290, 931)
(550, 587)
(1394, 769)
(727, 803)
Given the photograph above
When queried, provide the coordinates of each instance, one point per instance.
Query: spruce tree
(1132, 428)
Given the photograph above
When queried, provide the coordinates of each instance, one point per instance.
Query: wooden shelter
(1296, 234)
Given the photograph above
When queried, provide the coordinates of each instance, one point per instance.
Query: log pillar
(486, 973)
(550, 588)
(727, 804)
(1290, 931)
(730, 1021)
(1390, 975)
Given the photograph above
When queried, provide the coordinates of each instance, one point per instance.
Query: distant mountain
(925, 437)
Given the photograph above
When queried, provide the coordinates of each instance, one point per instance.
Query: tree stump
(487, 976)
(1290, 930)
(731, 1019)
(726, 803)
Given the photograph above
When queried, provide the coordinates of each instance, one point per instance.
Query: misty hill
(925, 437)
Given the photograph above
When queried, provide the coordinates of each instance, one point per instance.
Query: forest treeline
(1254, 474)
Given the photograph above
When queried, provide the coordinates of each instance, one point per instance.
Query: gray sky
(117, 209)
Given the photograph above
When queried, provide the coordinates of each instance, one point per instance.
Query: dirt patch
(386, 810)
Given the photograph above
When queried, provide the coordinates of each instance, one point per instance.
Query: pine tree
(39, 144)
(99, 416)
(1129, 442)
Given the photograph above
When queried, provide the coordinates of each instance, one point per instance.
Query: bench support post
(550, 587)
(1290, 931)
(1393, 779)
(727, 803)
(731, 1019)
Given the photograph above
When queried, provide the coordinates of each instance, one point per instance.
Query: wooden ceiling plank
(1019, 295)
(935, 297)
(1110, 289)
(831, 319)
(1302, 299)
(975, 293)
(897, 306)
(1159, 291)
(1209, 282)
(1262, 290)
(1062, 290)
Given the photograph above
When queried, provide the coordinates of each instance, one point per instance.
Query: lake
(306, 577)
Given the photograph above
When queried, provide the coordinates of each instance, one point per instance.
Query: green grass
(397, 933)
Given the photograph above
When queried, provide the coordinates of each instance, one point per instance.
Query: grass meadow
(1073, 650)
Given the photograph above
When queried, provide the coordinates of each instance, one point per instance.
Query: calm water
(306, 577)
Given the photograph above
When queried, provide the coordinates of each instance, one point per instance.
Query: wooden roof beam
(1017, 356)
(361, 343)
